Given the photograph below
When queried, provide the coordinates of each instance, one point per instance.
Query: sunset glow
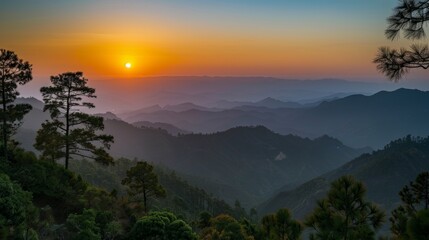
(218, 38)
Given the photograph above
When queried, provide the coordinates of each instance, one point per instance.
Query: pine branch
(394, 64)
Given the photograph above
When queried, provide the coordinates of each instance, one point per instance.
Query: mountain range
(171, 129)
(356, 120)
(207, 91)
(252, 163)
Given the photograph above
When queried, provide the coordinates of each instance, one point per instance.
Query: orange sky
(275, 38)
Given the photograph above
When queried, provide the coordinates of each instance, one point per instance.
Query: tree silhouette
(71, 132)
(143, 183)
(13, 72)
(345, 214)
(410, 17)
(281, 226)
(415, 199)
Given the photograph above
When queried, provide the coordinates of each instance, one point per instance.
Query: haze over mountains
(252, 163)
(125, 95)
(356, 120)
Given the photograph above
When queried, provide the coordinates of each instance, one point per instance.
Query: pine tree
(71, 132)
(281, 226)
(143, 183)
(13, 72)
(345, 214)
(415, 200)
(410, 17)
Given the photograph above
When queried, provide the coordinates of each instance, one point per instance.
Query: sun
(128, 65)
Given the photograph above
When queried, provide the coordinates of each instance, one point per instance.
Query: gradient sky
(292, 39)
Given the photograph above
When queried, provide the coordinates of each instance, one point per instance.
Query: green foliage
(224, 227)
(418, 225)
(281, 226)
(269, 223)
(109, 226)
(398, 221)
(345, 214)
(16, 209)
(415, 198)
(83, 226)
(92, 224)
(50, 184)
(181, 197)
(251, 230)
(71, 132)
(98, 199)
(161, 226)
(204, 220)
(185, 199)
(13, 72)
(143, 184)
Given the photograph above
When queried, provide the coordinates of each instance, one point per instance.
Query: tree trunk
(67, 130)
(5, 138)
(145, 201)
(426, 191)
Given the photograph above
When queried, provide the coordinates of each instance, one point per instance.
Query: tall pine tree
(143, 184)
(13, 72)
(70, 132)
(415, 201)
(345, 214)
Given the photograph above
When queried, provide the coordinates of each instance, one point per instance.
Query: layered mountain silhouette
(356, 120)
(384, 173)
(268, 102)
(171, 129)
(207, 90)
(257, 161)
(253, 161)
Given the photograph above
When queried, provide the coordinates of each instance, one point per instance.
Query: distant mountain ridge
(268, 102)
(182, 107)
(108, 115)
(188, 106)
(165, 126)
(34, 102)
(207, 90)
(356, 120)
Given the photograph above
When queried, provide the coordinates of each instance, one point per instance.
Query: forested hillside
(249, 162)
(384, 173)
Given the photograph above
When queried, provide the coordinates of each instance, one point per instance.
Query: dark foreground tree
(16, 209)
(345, 214)
(13, 72)
(414, 207)
(143, 184)
(71, 132)
(409, 17)
(281, 226)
